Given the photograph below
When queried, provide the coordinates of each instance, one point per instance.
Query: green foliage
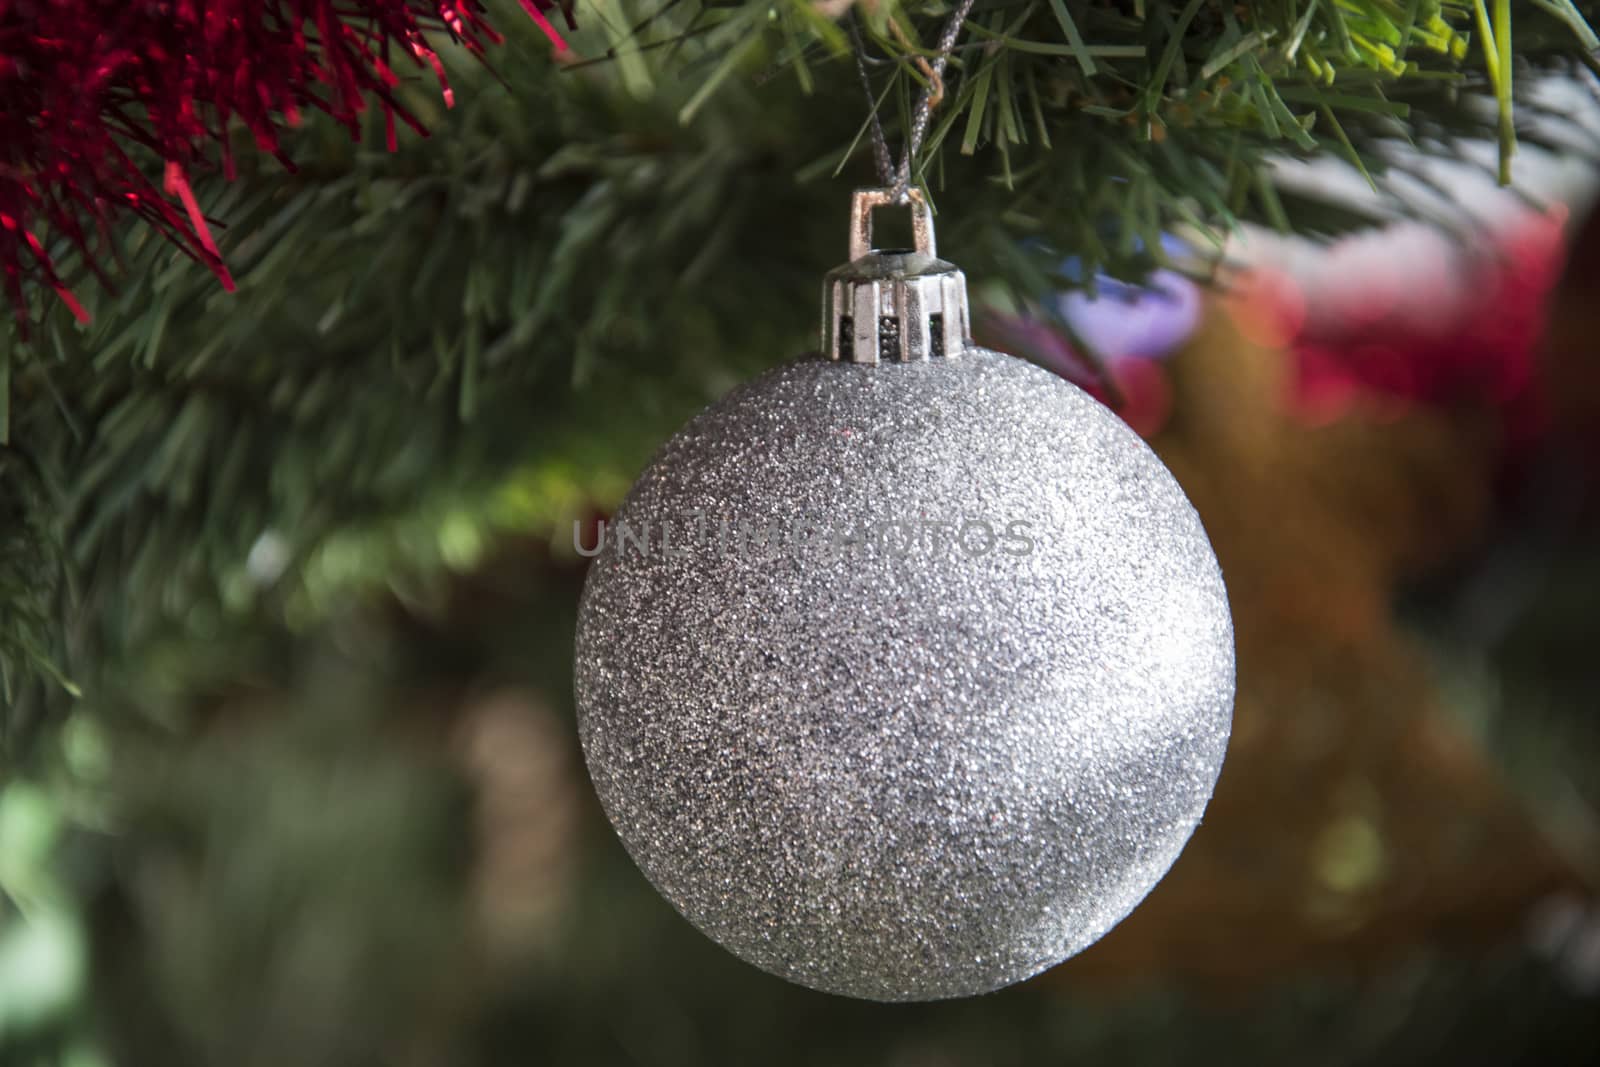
(42, 949)
(410, 330)
(31, 603)
(317, 864)
(489, 330)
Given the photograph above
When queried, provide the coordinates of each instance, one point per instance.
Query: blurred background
(328, 805)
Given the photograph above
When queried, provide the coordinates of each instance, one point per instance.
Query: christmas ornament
(89, 84)
(904, 671)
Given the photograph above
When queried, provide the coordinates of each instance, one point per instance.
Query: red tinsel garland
(84, 81)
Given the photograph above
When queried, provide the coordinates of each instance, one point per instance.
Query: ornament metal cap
(894, 305)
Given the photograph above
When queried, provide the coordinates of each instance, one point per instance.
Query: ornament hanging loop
(866, 201)
(896, 305)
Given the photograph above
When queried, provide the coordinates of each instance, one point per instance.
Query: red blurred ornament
(1399, 319)
(86, 81)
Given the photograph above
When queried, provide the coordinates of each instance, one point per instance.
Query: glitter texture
(907, 768)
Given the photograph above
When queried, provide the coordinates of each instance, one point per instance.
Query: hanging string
(928, 101)
(880, 146)
(900, 180)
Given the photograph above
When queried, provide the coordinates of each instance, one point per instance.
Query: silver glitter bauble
(907, 679)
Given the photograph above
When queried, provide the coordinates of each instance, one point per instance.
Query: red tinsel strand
(81, 81)
(535, 12)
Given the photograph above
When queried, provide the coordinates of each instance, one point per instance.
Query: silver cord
(899, 180)
(880, 146)
(924, 112)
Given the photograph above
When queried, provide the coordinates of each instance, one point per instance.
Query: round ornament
(904, 671)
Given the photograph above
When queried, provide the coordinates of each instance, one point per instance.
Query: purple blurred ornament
(1122, 321)
(1126, 328)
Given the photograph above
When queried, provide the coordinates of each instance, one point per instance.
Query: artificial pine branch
(161, 84)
